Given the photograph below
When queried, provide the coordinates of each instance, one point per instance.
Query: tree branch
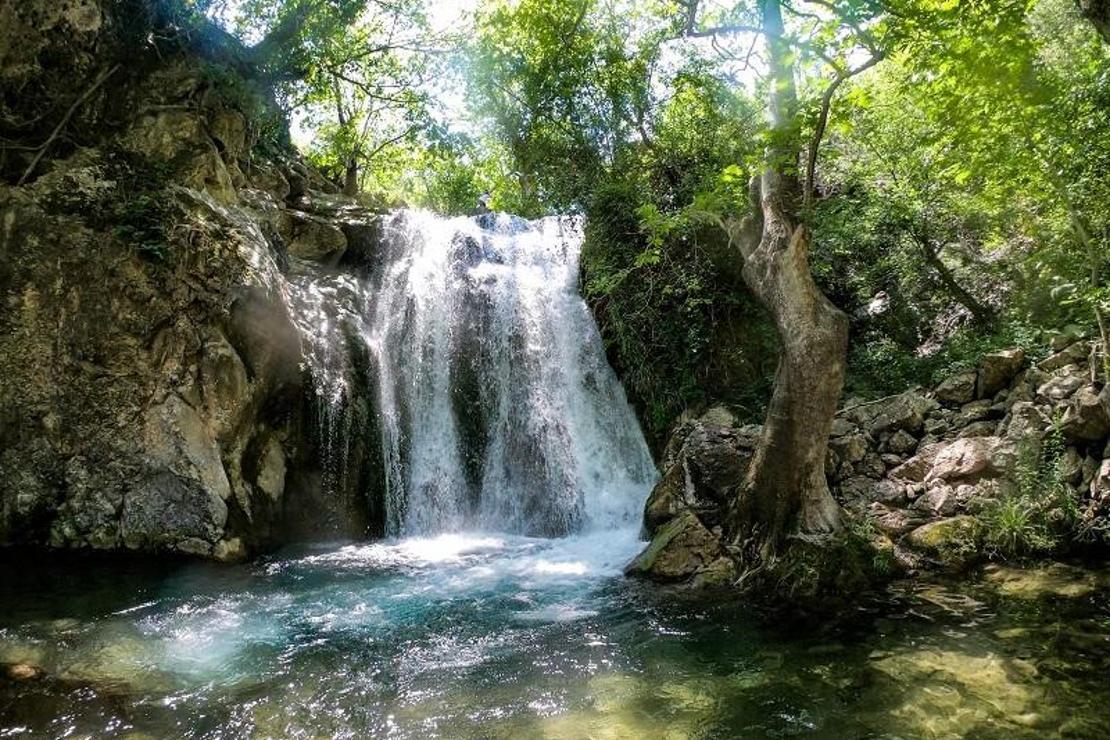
(823, 121)
(65, 120)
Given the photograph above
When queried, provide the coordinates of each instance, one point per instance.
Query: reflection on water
(496, 636)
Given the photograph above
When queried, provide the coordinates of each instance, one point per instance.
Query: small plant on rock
(1039, 515)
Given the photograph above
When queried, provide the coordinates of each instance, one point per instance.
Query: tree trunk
(350, 178)
(1098, 12)
(785, 491)
(980, 314)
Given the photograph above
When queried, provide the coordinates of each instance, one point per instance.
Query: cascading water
(499, 411)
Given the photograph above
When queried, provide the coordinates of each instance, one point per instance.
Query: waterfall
(499, 410)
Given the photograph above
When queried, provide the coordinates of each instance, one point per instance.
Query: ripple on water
(490, 636)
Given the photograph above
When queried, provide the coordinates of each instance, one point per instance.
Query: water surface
(490, 636)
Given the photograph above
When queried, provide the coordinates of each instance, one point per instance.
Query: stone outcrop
(923, 466)
(152, 395)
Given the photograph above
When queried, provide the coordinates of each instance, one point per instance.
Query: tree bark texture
(785, 491)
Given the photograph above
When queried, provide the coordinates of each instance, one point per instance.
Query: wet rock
(230, 551)
(716, 461)
(167, 511)
(957, 389)
(315, 238)
(667, 499)
(23, 672)
(720, 572)
(1054, 580)
(679, 550)
(997, 369)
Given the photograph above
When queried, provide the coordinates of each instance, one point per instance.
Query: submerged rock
(1053, 580)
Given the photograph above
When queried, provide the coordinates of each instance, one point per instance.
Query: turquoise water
(489, 636)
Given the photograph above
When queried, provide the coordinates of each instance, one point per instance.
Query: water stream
(497, 608)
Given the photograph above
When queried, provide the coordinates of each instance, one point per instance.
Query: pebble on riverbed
(23, 671)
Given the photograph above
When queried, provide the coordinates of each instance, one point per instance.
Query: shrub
(1040, 514)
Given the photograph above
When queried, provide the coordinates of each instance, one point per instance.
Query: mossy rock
(956, 542)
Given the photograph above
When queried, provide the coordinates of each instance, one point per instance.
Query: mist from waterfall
(499, 410)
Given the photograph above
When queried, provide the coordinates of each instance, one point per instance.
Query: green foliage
(1040, 515)
(681, 331)
(134, 205)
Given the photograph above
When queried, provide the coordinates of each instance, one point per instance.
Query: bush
(1040, 514)
(681, 332)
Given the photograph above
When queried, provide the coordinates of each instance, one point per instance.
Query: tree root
(45, 146)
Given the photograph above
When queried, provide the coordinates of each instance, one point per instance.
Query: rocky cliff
(154, 393)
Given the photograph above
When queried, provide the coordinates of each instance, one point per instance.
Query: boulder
(957, 389)
(1026, 422)
(666, 500)
(678, 551)
(851, 448)
(937, 501)
(953, 541)
(979, 429)
(915, 469)
(972, 459)
(893, 521)
(1100, 485)
(315, 238)
(1061, 386)
(716, 461)
(904, 412)
(997, 369)
(901, 442)
(1087, 415)
(973, 412)
(1070, 355)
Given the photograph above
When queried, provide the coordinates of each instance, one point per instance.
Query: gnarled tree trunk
(785, 491)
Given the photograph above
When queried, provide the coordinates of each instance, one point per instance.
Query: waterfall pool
(495, 636)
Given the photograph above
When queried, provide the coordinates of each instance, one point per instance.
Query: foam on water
(500, 412)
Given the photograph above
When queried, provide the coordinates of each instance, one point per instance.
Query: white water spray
(499, 409)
